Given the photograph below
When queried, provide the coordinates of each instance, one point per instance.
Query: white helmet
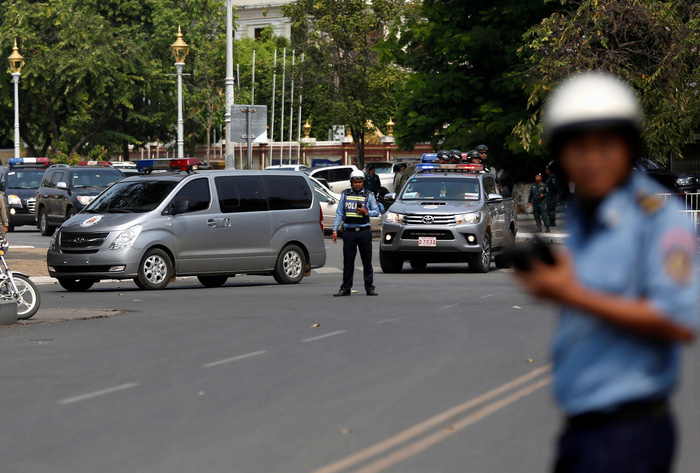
(591, 100)
(357, 175)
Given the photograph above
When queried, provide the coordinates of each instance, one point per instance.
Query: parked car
(65, 190)
(676, 182)
(338, 177)
(288, 167)
(208, 224)
(19, 181)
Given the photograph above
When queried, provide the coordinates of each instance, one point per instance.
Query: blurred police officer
(443, 156)
(627, 286)
(538, 199)
(483, 152)
(372, 181)
(473, 157)
(3, 217)
(354, 209)
(455, 156)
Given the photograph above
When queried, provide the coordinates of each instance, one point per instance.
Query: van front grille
(69, 240)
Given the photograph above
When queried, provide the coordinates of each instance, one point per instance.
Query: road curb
(552, 238)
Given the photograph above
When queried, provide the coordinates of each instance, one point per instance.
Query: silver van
(210, 224)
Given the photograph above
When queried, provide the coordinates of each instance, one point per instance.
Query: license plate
(427, 241)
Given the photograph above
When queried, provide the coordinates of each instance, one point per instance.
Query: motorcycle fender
(14, 273)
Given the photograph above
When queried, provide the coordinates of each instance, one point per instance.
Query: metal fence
(691, 207)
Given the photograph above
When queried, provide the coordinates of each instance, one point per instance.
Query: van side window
(288, 192)
(196, 194)
(55, 179)
(342, 174)
(241, 194)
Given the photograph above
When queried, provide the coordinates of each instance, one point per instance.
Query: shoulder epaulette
(650, 203)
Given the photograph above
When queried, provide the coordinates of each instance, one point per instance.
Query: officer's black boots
(341, 293)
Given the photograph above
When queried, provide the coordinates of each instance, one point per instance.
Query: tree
(651, 44)
(344, 82)
(464, 89)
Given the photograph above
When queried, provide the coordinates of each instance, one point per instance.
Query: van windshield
(127, 197)
(441, 189)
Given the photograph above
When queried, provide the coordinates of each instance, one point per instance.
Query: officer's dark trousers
(539, 210)
(630, 444)
(352, 241)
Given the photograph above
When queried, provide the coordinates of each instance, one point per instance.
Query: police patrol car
(448, 213)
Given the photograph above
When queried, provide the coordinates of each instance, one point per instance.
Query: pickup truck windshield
(25, 178)
(140, 196)
(441, 189)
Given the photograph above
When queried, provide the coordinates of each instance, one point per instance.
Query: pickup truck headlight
(470, 218)
(14, 200)
(684, 181)
(391, 217)
(85, 199)
(126, 238)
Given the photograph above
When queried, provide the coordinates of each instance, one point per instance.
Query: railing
(691, 207)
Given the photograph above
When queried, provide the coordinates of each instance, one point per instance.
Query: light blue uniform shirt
(636, 246)
(372, 207)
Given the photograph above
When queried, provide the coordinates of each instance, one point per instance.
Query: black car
(19, 181)
(65, 190)
(676, 182)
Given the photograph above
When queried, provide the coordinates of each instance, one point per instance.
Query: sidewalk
(527, 229)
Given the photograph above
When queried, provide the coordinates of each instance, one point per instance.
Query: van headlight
(469, 218)
(54, 239)
(126, 238)
(391, 217)
(14, 200)
(86, 199)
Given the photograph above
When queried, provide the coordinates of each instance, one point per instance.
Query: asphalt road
(445, 371)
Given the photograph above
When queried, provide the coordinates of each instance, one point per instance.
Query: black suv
(65, 190)
(19, 181)
(676, 182)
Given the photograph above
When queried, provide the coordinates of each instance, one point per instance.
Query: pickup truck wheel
(503, 261)
(389, 263)
(290, 265)
(212, 281)
(76, 285)
(480, 263)
(155, 270)
(44, 227)
(419, 264)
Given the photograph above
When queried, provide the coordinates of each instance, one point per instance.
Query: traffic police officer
(354, 209)
(552, 195)
(627, 286)
(538, 198)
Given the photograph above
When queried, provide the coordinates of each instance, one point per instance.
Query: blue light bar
(145, 165)
(19, 161)
(429, 158)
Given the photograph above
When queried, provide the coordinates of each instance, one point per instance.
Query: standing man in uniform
(372, 182)
(627, 285)
(538, 199)
(399, 174)
(552, 195)
(354, 209)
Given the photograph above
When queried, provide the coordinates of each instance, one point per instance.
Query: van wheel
(155, 270)
(290, 265)
(212, 281)
(70, 213)
(389, 263)
(44, 227)
(481, 262)
(76, 285)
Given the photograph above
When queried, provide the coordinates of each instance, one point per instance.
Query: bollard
(8, 312)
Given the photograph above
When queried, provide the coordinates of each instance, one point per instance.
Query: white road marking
(102, 392)
(312, 339)
(329, 270)
(449, 306)
(486, 297)
(235, 358)
(388, 320)
(23, 246)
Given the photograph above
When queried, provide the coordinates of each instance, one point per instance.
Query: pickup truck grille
(437, 234)
(70, 240)
(426, 219)
(31, 204)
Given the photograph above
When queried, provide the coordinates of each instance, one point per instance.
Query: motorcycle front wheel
(28, 298)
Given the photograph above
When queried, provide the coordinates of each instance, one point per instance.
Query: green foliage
(464, 85)
(344, 81)
(651, 44)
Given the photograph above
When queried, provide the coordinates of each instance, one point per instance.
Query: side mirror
(332, 201)
(62, 185)
(177, 207)
(390, 198)
(492, 198)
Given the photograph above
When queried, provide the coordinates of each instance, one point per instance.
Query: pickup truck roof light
(473, 168)
(94, 163)
(185, 164)
(20, 161)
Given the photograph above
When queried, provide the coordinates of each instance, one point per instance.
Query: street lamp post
(16, 63)
(180, 50)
